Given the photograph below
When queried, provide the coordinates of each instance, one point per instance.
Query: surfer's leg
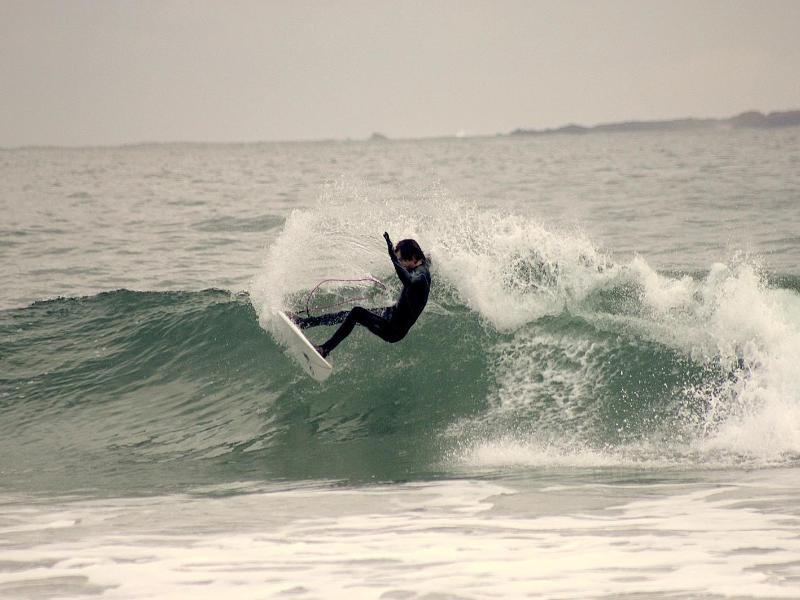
(382, 325)
(375, 323)
(329, 319)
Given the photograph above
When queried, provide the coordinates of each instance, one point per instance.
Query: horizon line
(375, 137)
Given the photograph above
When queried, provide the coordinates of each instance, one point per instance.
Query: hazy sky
(116, 71)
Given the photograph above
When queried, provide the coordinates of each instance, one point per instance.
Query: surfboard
(299, 348)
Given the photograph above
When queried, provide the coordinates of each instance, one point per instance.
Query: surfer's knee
(394, 337)
(358, 313)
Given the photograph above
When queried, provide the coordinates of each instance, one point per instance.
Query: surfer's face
(407, 263)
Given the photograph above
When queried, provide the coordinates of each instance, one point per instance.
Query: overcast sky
(78, 72)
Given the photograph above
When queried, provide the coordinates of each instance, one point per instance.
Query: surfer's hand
(388, 241)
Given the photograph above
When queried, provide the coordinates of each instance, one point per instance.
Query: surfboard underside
(300, 349)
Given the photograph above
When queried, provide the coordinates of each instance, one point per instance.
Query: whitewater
(601, 398)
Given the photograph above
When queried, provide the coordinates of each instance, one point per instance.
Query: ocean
(601, 399)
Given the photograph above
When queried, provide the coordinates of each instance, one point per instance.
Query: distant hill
(746, 120)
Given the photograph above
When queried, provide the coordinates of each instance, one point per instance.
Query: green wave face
(181, 387)
(147, 390)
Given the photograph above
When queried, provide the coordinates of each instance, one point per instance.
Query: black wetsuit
(391, 323)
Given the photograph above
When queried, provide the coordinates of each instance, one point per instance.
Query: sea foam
(567, 322)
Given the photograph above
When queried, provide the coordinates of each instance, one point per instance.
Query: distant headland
(745, 120)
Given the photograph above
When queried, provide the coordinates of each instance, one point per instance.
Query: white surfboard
(300, 349)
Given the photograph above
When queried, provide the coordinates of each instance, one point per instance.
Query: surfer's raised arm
(402, 273)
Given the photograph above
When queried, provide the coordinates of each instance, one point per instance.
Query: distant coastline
(745, 120)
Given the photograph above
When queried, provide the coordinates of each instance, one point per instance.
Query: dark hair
(410, 250)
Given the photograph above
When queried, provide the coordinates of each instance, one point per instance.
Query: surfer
(392, 323)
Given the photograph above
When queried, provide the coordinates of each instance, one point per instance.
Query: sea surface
(601, 400)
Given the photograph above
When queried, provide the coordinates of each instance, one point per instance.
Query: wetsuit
(391, 323)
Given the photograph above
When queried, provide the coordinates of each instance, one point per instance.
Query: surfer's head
(409, 253)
